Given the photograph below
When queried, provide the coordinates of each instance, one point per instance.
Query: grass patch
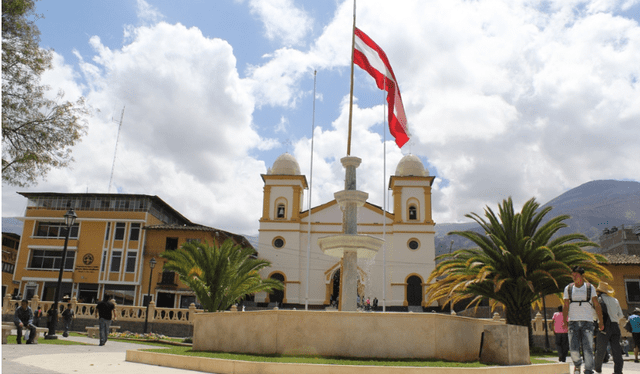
(142, 341)
(12, 339)
(187, 351)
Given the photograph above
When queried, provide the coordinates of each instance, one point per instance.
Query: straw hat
(604, 288)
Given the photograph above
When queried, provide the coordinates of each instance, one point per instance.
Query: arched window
(281, 208)
(413, 207)
(413, 213)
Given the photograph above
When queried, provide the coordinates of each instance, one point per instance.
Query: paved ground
(110, 358)
(629, 367)
(76, 359)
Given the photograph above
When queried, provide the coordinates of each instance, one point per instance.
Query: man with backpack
(580, 300)
(611, 314)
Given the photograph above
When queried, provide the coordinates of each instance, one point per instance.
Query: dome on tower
(285, 164)
(410, 165)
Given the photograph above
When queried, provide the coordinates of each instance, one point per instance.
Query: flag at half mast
(370, 57)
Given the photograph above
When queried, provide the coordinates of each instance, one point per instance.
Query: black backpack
(583, 301)
(606, 320)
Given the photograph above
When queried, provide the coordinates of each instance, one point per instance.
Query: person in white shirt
(580, 301)
(612, 314)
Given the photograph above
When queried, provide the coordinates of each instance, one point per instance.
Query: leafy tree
(516, 262)
(219, 275)
(37, 132)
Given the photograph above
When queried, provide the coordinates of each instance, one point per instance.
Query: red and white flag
(372, 58)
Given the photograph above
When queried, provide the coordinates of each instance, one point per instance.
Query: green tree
(517, 260)
(37, 132)
(219, 275)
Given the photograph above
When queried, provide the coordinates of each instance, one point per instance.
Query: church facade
(408, 253)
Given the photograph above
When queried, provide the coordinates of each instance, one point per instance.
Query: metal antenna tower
(113, 166)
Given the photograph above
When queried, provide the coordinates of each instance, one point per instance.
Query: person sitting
(24, 318)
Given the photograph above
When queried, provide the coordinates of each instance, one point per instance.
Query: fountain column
(350, 245)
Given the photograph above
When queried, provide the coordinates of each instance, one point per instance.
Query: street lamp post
(152, 264)
(69, 220)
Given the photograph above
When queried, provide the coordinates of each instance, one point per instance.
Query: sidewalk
(76, 359)
(110, 358)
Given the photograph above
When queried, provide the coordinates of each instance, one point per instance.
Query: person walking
(611, 314)
(580, 300)
(68, 315)
(106, 312)
(22, 318)
(634, 320)
(562, 335)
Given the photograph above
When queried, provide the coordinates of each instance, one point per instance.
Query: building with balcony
(109, 248)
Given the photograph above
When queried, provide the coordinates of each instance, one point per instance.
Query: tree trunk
(520, 316)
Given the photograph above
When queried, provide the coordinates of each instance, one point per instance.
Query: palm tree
(219, 275)
(517, 261)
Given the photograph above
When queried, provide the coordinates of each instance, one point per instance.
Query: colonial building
(10, 244)
(408, 231)
(109, 249)
(168, 290)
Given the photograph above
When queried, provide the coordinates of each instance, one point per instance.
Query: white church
(408, 252)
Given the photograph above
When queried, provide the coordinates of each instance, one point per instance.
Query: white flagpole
(353, 47)
(384, 203)
(313, 124)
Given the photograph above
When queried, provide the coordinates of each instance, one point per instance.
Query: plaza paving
(90, 359)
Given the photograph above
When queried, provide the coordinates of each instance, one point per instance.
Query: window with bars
(131, 262)
(56, 230)
(120, 228)
(116, 259)
(135, 231)
(51, 259)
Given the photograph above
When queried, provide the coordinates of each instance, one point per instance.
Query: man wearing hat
(611, 313)
(580, 301)
(634, 319)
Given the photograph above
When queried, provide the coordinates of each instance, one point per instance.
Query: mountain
(593, 206)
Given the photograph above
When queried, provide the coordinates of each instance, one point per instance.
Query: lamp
(69, 221)
(152, 264)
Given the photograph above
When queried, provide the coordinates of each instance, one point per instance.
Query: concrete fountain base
(357, 334)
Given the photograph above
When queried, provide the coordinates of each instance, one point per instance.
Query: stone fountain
(349, 245)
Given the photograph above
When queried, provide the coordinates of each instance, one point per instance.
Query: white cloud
(282, 20)
(503, 99)
(147, 13)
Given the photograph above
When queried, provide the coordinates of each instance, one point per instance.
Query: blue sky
(503, 98)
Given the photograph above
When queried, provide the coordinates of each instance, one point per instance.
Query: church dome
(410, 165)
(285, 164)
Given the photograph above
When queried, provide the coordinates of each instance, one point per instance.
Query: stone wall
(347, 334)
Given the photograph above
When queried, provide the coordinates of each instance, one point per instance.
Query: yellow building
(167, 290)
(10, 244)
(626, 279)
(110, 246)
(105, 249)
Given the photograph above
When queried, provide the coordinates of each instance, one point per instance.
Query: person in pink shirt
(562, 335)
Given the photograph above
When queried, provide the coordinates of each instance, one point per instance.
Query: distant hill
(593, 206)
